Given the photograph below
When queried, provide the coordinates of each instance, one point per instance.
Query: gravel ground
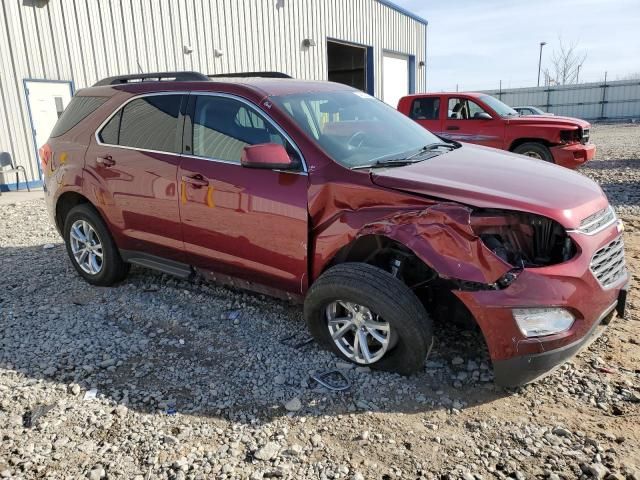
(160, 378)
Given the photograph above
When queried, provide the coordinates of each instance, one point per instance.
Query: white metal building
(50, 48)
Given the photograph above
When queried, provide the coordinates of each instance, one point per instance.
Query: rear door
(427, 112)
(131, 171)
(463, 122)
(245, 223)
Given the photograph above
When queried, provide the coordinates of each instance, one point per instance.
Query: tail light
(45, 155)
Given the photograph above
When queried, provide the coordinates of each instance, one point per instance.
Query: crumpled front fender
(441, 236)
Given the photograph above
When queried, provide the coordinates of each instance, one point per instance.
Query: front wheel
(535, 150)
(369, 317)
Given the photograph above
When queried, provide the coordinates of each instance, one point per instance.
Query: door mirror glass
(482, 116)
(266, 155)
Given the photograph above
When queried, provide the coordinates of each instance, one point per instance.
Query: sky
(477, 43)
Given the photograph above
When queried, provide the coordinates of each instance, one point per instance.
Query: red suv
(317, 192)
(485, 120)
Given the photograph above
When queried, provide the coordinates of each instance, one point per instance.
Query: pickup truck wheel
(91, 249)
(369, 317)
(535, 150)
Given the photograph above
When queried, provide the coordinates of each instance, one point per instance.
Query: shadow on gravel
(611, 164)
(158, 344)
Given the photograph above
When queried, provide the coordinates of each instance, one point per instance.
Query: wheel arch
(520, 141)
(65, 203)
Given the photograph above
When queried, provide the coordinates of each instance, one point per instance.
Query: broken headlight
(521, 239)
(537, 322)
(571, 136)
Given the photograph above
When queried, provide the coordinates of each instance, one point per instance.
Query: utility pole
(578, 74)
(542, 44)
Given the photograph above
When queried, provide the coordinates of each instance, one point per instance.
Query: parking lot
(200, 381)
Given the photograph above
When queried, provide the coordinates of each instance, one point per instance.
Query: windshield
(354, 128)
(500, 108)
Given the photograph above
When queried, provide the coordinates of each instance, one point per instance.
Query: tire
(411, 330)
(535, 150)
(112, 268)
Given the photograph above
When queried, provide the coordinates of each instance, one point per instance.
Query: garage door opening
(350, 64)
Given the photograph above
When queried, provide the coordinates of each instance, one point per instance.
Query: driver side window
(463, 109)
(223, 126)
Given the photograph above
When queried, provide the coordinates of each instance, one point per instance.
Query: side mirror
(482, 116)
(266, 155)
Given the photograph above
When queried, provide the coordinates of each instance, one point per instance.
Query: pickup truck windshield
(500, 108)
(354, 128)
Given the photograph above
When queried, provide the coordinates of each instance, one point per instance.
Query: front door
(241, 222)
(46, 101)
(132, 171)
(465, 122)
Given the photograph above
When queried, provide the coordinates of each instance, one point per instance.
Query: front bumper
(571, 285)
(528, 368)
(573, 155)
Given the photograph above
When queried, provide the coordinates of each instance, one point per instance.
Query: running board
(178, 269)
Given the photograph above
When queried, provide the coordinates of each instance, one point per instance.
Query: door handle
(106, 161)
(453, 127)
(197, 181)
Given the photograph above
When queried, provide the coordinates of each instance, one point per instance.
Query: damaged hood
(488, 178)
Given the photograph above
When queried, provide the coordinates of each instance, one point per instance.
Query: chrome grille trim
(598, 221)
(608, 264)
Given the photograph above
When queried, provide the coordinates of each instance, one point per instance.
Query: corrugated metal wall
(86, 40)
(590, 101)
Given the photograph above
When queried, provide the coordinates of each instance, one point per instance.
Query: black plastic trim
(178, 269)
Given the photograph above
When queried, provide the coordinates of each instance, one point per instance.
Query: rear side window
(77, 110)
(149, 123)
(425, 109)
(111, 132)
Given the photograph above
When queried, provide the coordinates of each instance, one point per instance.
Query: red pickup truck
(485, 120)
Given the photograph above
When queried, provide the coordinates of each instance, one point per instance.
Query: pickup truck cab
(485, 120)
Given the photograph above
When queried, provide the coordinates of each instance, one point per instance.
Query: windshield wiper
(398, 162)
(433, 146)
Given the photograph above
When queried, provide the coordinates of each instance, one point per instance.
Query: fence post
(604, 96)
(500, 91)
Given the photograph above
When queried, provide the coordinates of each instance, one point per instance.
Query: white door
(395, 77)
(46, 102)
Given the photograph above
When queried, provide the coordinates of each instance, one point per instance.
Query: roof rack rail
(250, 74)
(153, 77)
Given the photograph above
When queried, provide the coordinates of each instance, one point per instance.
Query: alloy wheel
(533, 154)
(86, 247)
(360, 334)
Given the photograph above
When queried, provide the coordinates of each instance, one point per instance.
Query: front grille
(585, 136)
(608, 265)
(597, 221)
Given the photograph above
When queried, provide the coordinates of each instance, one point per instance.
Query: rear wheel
(535, 150)
(91, 249)
(369, 317)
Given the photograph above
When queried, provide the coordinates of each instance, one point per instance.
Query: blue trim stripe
(11, 186)
(403, 11)
(371, 88)
(412, 74)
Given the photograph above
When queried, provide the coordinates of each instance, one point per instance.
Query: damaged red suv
(317, 192)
